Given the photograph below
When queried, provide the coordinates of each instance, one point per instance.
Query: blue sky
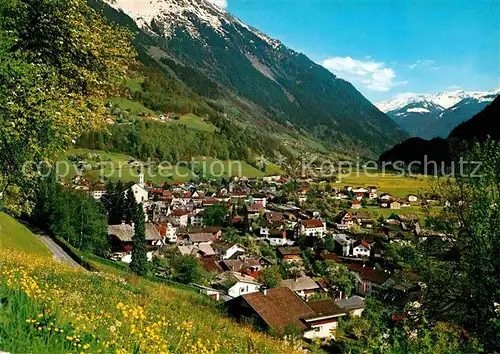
(387, 47)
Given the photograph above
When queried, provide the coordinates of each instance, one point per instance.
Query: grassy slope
(135, 108)
(193, 122)
(395, 185)
(15, 235)
(50, 307)
(158, 175)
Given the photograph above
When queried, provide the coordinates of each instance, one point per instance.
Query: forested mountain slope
(249, 76)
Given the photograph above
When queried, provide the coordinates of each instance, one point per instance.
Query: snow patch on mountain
(417, 110)
(443, 99)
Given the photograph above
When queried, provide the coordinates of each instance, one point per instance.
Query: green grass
(134, 84)
(114, 166)
(47, 306)
(376, 212)
(193, 122)
(14, 235)
(133, 107)
(394, 185)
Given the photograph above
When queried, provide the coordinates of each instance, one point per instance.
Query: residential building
(304, 286)
(289, 254)
(361, 249)
(227, 250)
(353, 305)
(313, 227)
(280, 307)
(237, 284)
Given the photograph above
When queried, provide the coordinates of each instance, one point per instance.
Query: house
(275, 237)
(370, 280)
(197, 238)
(372, 195)
(395, 205)
(289, 254)
(304, 286)
(251, 266)
(210, 292)
(199, 251)
(412, 198)
(254, 210)
(237, 284)
(403, 286)
(197, 219)
(386, 197)
(347, 219)
(171, 233)
(180, 217)
(274, 217)
(257, 199)
(361, 249)
(122, 244)
(360, 190)
(353, 306)
(280, 308)
(227, 249)
(355, 204)
(313, 227)
(97, 193)
(342, 244)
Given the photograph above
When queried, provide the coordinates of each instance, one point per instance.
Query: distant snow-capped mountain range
(431, 115)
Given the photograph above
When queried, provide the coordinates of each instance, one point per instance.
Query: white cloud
(220, 3)
(423, 63)
(370, 74)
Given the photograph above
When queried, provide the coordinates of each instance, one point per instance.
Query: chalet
(304, 286)
(404, 286)
(342, 244)
(372, 195)
(386, 197)
(412, 198)
(279, 308)
(237, 284)
(180, 217)
(395, 205)
(353, 306)
(359, 196)
(251, 266)
(347, 219)
(360, 190)
(274, 217)
(372, 189)
(361, 249)
(257, 199)
(312, 227)
(97, 193)
(199, 251)
(210, 292)
(370, 280)
(227, 249)
(197, 219)
(276, 237)
(199, 238)
(122, 244)
(289, 254)
(254, 210)
(355, 204)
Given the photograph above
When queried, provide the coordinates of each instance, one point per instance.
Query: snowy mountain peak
(185, 14)
(443, 99)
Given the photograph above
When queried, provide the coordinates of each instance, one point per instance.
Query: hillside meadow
(115, 167)
(51, 307)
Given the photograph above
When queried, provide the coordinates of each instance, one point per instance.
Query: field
(50, 307)
(133, 107)
(193, 122)
(376, 212)
(115, 166)
(15, 235)
(399, 186)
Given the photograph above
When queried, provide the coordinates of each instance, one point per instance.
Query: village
(270, 256)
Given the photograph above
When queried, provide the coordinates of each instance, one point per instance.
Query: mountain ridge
(196, 38)
(434, 115)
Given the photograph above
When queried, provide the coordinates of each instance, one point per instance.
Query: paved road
(57, 251)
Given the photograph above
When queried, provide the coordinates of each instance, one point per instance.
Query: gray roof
(352, 303)
(125, 232)
(302, 283)
(200, 237)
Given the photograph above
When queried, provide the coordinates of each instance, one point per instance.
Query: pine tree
(130, 206)
(139, 262)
